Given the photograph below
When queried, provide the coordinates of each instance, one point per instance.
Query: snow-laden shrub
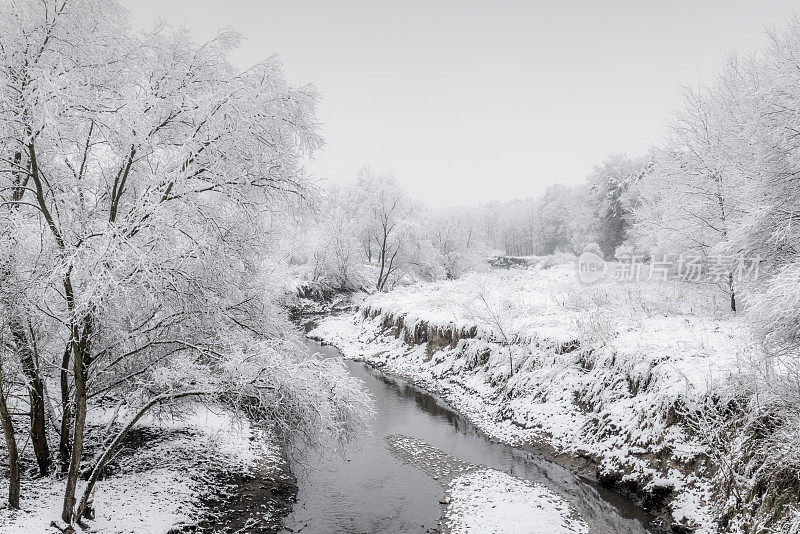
(751, 437)
(775, 312)
(336, 264)
(752, 427)
(313, 402)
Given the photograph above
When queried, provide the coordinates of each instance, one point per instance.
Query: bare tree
(387, 212)
(497, 317)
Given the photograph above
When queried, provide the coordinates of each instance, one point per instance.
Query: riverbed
(371, 490)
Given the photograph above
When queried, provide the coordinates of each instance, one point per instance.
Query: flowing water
(372, 491)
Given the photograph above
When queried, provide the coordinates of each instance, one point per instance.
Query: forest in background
(723, 184)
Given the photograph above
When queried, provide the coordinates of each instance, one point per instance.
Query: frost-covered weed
(750, 429)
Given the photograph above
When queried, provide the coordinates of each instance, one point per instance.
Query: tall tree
(608, 184)
(386, 213)
(690, 197)
(151, 168)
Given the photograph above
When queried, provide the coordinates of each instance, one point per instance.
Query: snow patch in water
(490, 501)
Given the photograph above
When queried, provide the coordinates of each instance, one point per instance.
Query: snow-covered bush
(457, 241)
(335, 257)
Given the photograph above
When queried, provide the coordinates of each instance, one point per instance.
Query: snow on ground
(600, 370)
(488, 501)
(153, 501)
(161, 486)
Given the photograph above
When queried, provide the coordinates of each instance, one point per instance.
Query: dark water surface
(371, 491)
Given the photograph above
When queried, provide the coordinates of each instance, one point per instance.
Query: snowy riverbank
(605, 372)
(201, 473)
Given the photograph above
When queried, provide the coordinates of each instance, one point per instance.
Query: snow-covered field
(162, 487)
(605, 371)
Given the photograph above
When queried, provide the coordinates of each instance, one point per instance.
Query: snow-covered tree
(609, 201)
(691, 197)
(457, 240)
(766, 153)
(144, 170)
(333, 235)
(387, 215)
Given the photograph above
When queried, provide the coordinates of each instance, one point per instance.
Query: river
(371, 491)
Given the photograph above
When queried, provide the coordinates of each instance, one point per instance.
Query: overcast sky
(467, 101)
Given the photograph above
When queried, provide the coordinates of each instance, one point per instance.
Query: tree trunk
(80, 349)
(733, 293)
(13, 454)
(63, 444)
(77, 437)
(382, 259)
(36, 398)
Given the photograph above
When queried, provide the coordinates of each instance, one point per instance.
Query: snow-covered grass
(163, 485)
(606, 371)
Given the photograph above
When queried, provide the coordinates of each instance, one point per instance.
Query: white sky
(466, 101)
